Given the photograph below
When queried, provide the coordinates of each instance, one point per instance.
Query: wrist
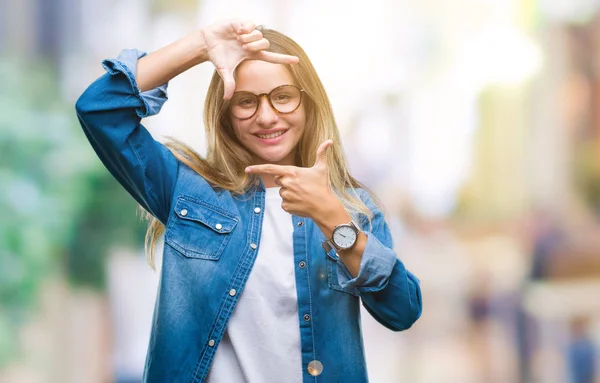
(329, 214)
(197, 45)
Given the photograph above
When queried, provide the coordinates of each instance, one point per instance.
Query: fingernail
(248, 169)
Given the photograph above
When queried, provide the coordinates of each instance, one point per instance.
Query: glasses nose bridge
(259, 97)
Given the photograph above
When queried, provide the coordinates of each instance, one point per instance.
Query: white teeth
(272, 135)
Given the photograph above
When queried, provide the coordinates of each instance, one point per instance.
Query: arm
(161, 66)
(389, 292)
(110, 111)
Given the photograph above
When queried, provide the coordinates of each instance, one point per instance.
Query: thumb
(228, 82)
(321, 159)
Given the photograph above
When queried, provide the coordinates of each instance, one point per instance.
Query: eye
(282, 97)
(245, 102)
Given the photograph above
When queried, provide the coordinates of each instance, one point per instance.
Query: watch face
(344, 237)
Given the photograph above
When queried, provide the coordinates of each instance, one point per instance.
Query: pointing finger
(276, 170)
(276, 58)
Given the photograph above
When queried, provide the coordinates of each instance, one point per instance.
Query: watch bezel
(341, 226)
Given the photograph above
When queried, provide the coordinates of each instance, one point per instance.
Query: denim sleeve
(126, 63)
(110, 112)
(389, 292)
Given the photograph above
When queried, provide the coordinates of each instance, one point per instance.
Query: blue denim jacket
(211, 242)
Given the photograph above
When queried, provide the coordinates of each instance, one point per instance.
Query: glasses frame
(268, 96)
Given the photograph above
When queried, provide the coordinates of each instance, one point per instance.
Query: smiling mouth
(271, 135)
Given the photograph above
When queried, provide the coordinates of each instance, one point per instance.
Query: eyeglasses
(284, 99)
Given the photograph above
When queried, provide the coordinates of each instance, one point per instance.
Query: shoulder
(366, 197)
(370, 201)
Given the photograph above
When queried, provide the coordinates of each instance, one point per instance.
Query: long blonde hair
(226, 158)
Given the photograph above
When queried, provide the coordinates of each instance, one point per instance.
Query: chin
(273, 158)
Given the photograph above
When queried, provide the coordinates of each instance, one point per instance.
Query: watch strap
(328, 245)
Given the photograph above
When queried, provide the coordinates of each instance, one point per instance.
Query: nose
(265, 115)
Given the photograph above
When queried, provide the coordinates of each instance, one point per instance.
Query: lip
(270, 141)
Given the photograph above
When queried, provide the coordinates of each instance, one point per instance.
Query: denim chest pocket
(199, 230)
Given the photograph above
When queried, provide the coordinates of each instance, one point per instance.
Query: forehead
(258, 76)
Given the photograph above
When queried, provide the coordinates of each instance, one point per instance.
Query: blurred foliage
(60, 210)
(108, 219)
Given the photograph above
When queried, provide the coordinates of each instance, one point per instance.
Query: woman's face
(271, 137)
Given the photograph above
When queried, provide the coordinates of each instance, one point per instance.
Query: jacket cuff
(126, 63)
(376, 267)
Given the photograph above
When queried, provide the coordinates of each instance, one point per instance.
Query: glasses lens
(285, 98)
(243, 104)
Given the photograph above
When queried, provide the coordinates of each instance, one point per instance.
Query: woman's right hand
(228, 43)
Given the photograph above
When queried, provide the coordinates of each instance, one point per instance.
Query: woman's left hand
(305, 191)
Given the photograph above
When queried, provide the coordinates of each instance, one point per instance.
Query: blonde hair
(226, 158)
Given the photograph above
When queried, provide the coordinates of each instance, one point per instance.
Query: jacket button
(257, 210)
(218, 226)
(211, 342)
(315, 368)
(232, 292)
(302, 264)
(253, 246)
(300, 223)
(184, 212)
(306, 317)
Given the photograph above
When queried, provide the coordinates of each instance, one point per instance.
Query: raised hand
(229, 43)
(305, 191)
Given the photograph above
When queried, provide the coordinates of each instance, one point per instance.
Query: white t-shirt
(262, 340)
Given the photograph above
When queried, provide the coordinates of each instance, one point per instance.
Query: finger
(276, 170)
(322, 153)
(276, 58)
(283, 193)
(256, 46)
(246, 38)
(245, 26)
(228, 82)
(277, 181)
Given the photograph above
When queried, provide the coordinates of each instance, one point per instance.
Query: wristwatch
(344, 237)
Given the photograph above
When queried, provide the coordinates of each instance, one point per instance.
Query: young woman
(270, 243)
